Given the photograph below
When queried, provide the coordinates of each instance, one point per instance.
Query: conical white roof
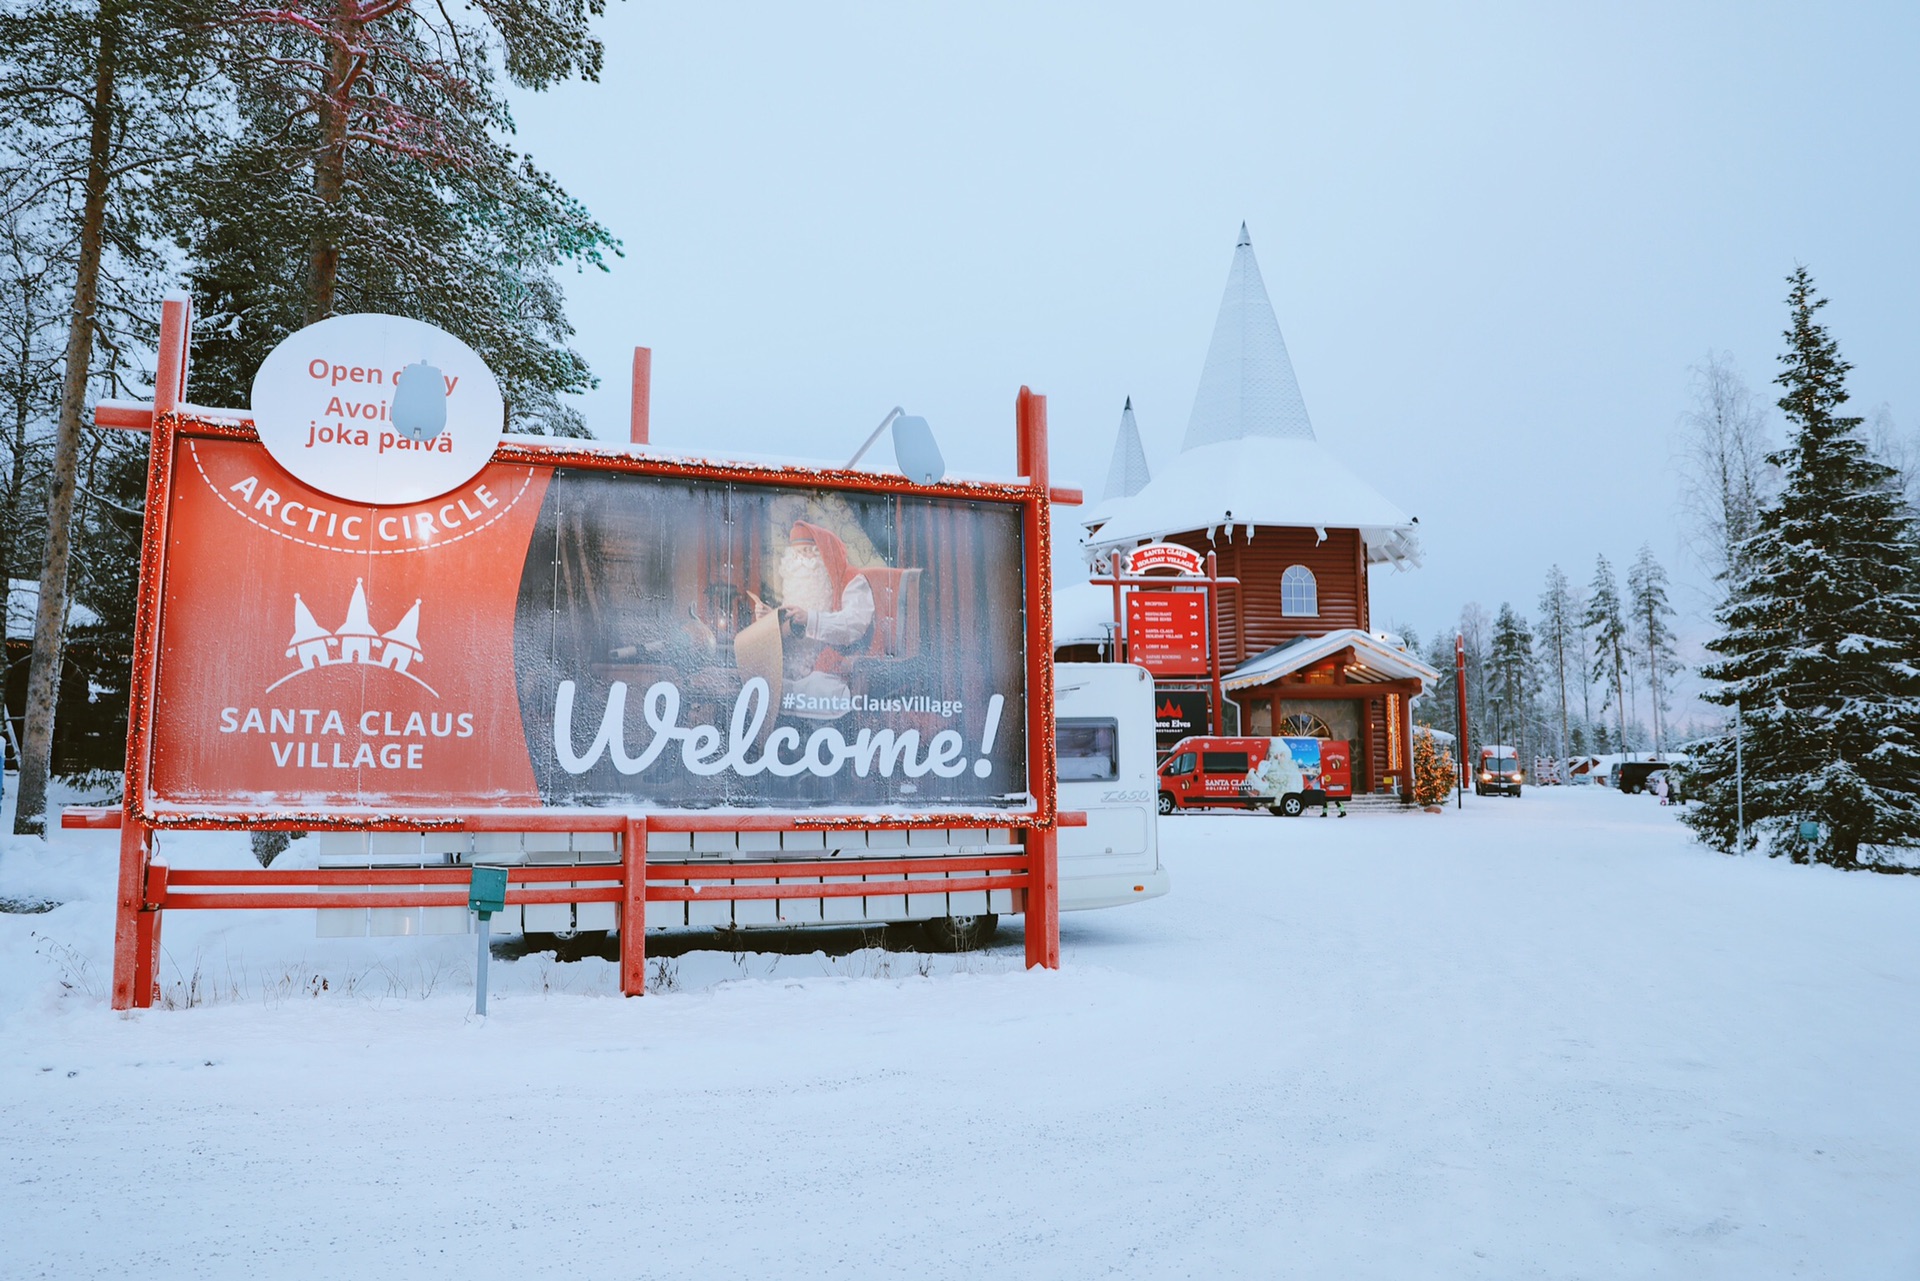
(1127, 475)
(408, 632)
(304, 626)
(1247, 387)
(357, 624)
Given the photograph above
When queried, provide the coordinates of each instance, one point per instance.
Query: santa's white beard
(806, 583)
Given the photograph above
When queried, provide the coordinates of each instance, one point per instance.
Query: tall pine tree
(1821, 648)
(1647, 596)
(1608, 627)
(1511, 660)
(1559, 620)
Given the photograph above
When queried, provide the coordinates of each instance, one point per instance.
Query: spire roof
(357, 624)
(304, 626)
(1247, 388)
(1127, 475)
(408, 631)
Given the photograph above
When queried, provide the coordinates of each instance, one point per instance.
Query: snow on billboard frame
(190, 445)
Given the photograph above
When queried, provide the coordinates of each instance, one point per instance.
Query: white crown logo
(355, 641)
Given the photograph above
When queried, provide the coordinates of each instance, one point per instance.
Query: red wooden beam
(642, 411)
(633, 906)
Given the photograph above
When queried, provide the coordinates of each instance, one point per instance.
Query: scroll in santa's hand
(757, 652)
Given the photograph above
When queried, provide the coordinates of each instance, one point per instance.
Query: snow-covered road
(1545, 1037)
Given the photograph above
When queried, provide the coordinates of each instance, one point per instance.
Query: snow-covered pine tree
(1607, 626)
(1647, 597)
(1514, 681)
(1559, 620)
(1821, 647)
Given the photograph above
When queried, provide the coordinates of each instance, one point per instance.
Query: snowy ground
(1540, 1038)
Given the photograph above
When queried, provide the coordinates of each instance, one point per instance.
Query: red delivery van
(1284, 775)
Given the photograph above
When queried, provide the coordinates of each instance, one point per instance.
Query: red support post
(136, 935)
(1043, 898)
(129, 913)
(642, 393)
(1213, 642)
(1119, 611)
(1043, 877)
(1460, 710)
(633, 910)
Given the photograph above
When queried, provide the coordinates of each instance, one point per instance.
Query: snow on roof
(1250, 456)
(1381, 659)
(1259, 482)
(1082, 614)
(1247, 387)
(23, 607)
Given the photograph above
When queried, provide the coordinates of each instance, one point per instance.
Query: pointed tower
(304, 627)
(402, 644)
(309, 638)
(357, 634)
(1127, 475)
(1247, 388)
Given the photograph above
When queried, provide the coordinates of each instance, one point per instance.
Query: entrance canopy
(1373, 661)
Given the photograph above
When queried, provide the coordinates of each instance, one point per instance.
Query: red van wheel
(1166, 803)
(1292, 805)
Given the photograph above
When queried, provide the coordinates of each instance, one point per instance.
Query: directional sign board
(1167, 632)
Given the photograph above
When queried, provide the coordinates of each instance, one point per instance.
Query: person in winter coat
(1660, 786)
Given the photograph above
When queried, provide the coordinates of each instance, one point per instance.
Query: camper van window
(1088, 750)
(1223, 762)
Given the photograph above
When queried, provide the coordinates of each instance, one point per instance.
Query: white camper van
(1104, 736)
(1103, 732)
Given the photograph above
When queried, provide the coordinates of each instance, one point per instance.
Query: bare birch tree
(1724, 475)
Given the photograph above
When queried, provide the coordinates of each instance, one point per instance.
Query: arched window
(1299, 594)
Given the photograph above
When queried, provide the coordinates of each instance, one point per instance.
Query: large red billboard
(554, 636)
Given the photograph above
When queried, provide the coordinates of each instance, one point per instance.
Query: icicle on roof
(1247, 387)
(407, 634)
(304, 626)
(357, 624)
(1127, 475)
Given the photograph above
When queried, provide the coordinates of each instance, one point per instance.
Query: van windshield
(1503, 764)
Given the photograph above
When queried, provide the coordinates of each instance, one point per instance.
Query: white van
(1103, 733)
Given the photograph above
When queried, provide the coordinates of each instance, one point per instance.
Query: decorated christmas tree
(1433, 772)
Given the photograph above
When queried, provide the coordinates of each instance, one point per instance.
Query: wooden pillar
(1406, 747)
(134, 934)
(633, 910)
(1043, 898)
(642, 412)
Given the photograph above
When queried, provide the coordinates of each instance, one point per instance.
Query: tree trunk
(49, 628)
(330, 165)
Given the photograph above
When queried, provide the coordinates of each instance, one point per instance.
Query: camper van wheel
(959, 933)
(1291, 806)
(1166, 802)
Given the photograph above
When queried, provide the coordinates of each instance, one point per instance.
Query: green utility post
(486, 895)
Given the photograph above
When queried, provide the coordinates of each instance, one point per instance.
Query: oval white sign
(378, 409)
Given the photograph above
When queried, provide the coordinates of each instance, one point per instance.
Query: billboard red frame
(147, 887)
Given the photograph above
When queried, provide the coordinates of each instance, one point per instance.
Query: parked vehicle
(1104, 741)
(1283, 775)
(1634, 776)
(1499, 773)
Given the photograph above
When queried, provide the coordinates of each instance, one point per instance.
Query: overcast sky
(1496, 240)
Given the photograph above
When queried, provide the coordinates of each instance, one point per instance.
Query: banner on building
(545, 636)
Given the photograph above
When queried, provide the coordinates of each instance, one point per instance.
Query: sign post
(486, 895)
(1460, 709)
